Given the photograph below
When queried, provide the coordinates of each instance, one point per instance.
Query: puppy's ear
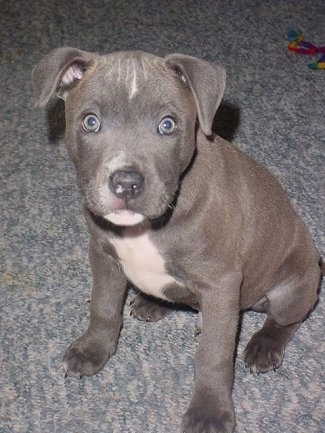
(207, 83)
(58, 72)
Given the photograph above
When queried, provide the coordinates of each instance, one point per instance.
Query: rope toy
(298, 45)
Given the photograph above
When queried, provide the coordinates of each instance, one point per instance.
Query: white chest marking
(143, 264)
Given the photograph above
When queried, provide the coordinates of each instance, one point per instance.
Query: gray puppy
(181, 214)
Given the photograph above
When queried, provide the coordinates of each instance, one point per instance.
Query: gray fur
(225, 236)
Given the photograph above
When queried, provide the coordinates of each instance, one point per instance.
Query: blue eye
(167, 126)
(91, 123)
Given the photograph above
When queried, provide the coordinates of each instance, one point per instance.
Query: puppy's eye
(91, 123)
(167, 126)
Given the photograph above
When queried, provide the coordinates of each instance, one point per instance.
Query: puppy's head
(131, 122)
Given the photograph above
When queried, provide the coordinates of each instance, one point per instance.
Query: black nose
(126, 184)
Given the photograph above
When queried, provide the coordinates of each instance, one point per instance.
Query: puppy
(181, 214)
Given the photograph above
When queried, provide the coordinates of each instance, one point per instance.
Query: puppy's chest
(143, 264)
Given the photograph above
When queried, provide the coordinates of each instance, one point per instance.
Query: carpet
(273, 109)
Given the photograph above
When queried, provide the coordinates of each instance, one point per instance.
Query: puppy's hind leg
(287, 306)
(149, 309)
(265, 350)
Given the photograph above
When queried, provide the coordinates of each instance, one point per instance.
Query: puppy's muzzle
(126, 184)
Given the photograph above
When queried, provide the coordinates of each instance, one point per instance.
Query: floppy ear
(58, 72)
(207, 83)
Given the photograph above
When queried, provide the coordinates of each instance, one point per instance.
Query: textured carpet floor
(273, 109)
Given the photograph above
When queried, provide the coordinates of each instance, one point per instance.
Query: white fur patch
(134, 87)
(142, 263)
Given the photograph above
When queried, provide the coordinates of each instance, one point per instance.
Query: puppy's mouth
(127, 213)
(124, 217)
(118, 212)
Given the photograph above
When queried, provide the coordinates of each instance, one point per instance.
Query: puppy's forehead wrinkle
(133, 70)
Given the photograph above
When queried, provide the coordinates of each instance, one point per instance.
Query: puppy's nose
(126, 184)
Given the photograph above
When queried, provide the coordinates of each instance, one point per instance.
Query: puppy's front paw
(196, 421)
(85, 357)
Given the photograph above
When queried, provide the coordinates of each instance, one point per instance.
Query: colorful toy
(298, 45)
